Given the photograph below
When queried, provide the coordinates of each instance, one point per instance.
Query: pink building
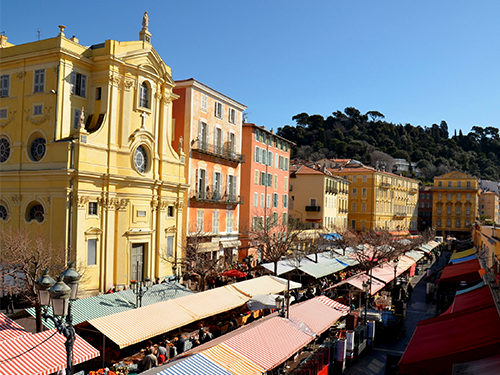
(264, 183)
(208, 124)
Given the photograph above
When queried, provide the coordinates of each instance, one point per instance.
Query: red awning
(464, 271)
(41, 353)
(9, 329)
(314, 220)
(440, 342)
(477, 298)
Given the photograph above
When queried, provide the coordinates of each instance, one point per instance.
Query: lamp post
(61, 294)
(395, 264)
(174, 271)
(140, 288)
(283, 305)
(366, 288)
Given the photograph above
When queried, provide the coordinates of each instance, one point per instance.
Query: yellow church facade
(87, 155)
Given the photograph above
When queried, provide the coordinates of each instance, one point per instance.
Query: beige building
(454, 204)
(318, 198)
(86, 154)
(489, 206)
(380, 200)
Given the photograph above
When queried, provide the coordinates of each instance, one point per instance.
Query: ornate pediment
(454, 175)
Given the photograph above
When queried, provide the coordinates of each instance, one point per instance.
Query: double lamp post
(60, 294)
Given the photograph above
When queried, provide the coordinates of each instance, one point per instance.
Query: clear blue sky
(417, 62)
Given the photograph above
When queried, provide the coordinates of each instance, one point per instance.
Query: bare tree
(346, 238)
(274, 238)
(381, 160)
(24, 257)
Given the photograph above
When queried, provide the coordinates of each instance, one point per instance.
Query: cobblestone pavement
(374, 362)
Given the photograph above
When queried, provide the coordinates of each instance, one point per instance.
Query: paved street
(418, 309)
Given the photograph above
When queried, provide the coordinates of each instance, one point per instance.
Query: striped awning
(263, 285)
(130, 327)
(41, 353)
(334, 304)
(196, 364)
(315, 314)
(232, 361)
(86, 309)
(462, 254)
(9, 329)
(269, 343)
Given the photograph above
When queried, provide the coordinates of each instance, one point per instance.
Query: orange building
(264, 182)
(208, 125)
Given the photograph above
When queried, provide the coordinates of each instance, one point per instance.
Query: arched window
(144, 96)
(35, 212)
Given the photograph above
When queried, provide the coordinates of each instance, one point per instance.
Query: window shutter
(83, 86)
(73, 82)
(5, 85)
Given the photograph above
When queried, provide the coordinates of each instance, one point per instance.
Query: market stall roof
(476, 298)
(89, 308)
(358, 280)
(385, 272)
(231, 360)
(323, 268)
(263, 285)
(270, 343)
(130, 327)
(41, 353)
(461, 254)
(9, 329)
(486, 366)
(406, 262)
(469, 336)
(463, 259)
(318, 316)
(196, 364)
(417, 255)
(465, 271)
(344, 310)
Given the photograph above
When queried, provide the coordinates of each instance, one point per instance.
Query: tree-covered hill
(350, 134)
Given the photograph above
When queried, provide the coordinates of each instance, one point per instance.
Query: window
(3, 113)
(448, 223)
(203, 135)
(262, 200)
(440, 196)
(255, 199)
(36, 212)
(170, 211)
(219, 110)
(457, 223)
(459, 183)
(276, 181)
(79, 84)
(285, 200)
(76, 118)
(458, 210)
(201, 188)
(275, 200)
(363, 192)
(204, 105)
(467, 223)
(229, 221)
(354, 178)
(449, 196)
(364, 178)
(467, 210)
(270, 158)
(91, 252)
(199, 221)
(98, 93)
(256, 177)
(468, 197)
(269, 180)
(449, 183)
(276, 159)
(37, 149)
(215, 221)
(141, 159)
(232, 116)
(231, 188)
(170, 246)
(217, 186)
(285, 185)
(353, 206)
(363, 206)
(263, 178)
(438, 222)
(144, 96)
(268, 201)
(448, 210)
(39, 84)
(275, 219)
(468, 184)
(353, 224)
(218, 140)
(286, 164)
(37, 110)
(459, 197)
(440, 183)
(93, 208)
(5, 83)
(4, 214)
(354, 192)
(285, 219)
(4, 149)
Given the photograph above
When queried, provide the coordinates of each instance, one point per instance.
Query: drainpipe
(70, 216)
(57, 101)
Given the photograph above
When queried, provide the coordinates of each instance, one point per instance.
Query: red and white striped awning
(232, 361)
(41, 353)
(9, 329)
(270, 343)
(334, 304)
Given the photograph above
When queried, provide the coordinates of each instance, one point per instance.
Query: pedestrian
(161, 353)
(207, 336)
(9, 303)
(181, 344)
(409, 290)
(149, 361)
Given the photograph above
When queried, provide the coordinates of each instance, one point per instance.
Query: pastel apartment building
(208, 125)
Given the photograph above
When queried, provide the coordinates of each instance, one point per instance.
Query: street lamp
(61, 294)
(283, 304)
(174, 271)
(366, 289)
(140, 288)
(395, 264)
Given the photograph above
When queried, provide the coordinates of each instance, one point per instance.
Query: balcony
(400, 215)
(313, 208)
(215, 197)
(225, 151)
(413, 191)
(331, 191)
(385, 185)
(461, 188)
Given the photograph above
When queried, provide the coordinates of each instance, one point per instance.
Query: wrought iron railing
(225, 151)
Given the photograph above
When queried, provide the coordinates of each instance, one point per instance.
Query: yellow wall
(83, 167)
